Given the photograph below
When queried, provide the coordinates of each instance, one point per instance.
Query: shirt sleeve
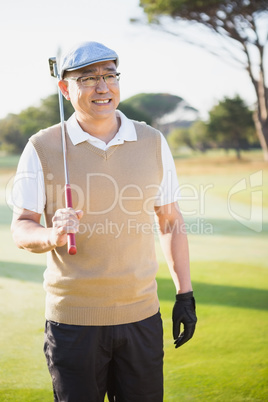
(169, 189)
(28, 189)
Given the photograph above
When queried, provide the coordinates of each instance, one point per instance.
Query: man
(103, 325)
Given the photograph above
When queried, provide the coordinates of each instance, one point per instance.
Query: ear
(63, 85)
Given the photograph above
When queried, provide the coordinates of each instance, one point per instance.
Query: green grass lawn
(227, 358)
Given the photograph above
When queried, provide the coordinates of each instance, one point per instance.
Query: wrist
(184, 289)
(51, 240)
(184, 296)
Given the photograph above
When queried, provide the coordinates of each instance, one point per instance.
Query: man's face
(97, 102)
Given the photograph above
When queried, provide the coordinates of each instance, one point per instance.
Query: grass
(227, 358)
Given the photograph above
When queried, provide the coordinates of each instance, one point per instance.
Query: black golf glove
(183, 313)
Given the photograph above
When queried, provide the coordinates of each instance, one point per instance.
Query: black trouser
(125, 360)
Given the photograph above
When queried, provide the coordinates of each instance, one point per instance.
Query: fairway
(225, 206)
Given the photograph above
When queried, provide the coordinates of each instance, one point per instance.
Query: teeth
(102, 101)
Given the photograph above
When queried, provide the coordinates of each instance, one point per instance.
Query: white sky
(32, 31)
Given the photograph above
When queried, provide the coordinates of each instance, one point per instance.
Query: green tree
(51, 112)
(194, 137)
(11, 139)
(15, 129)
(231, 125)
(134, 113)
(198, 133)
(241, 24)
(149, 107)
(178, 138)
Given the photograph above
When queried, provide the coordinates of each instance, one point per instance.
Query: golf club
(68, 194)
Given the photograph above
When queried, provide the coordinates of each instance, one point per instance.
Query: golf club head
(53, 67)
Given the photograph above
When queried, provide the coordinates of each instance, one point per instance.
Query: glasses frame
(79, 79)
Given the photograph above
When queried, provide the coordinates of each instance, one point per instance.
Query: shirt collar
(126, 132)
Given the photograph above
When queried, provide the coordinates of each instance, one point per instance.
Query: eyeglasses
(93, 80)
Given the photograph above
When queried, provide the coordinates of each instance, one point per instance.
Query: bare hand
(65, 220)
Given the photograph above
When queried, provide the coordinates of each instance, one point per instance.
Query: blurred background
(196, 70)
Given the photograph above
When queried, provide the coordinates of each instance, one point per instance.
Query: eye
(111, 78)
(90, 78)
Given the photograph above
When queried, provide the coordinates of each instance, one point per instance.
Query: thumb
(79, 213)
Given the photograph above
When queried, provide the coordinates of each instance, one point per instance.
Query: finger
(79, 214)
(72, 225)
(66, 213)
(176, 329)
(180, 341)
(60, 215)
(186, 335)
(71, 211)
(63, 212)
(61, 230)
(66, 225)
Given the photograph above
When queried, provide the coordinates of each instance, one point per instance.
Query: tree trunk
(261, 113)
(262, 133)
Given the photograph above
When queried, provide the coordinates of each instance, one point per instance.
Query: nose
(102, 86)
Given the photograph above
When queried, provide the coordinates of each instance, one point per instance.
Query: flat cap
(85, 53)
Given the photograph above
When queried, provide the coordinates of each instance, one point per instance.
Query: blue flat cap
(84, 54)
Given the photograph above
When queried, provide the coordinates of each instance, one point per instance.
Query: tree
(15, 129)
(133, 112)
(178, 138)
(231, 125)
(152, 105)
(194, 137)
(238, 23)
(11, 140)
(198, 133)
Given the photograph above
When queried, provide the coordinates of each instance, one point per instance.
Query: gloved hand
(183, 313)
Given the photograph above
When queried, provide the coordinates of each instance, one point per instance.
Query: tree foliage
(237, 22)
(199, 136)
(152, 105)
(213, 13)
(11, 140)
(178, 138)
(15, 129)
(134, 112)
(229, 122)
(194, 137)
(230, 126)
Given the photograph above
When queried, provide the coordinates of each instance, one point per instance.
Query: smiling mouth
(102, 102)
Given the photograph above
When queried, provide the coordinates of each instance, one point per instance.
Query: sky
(149, 60)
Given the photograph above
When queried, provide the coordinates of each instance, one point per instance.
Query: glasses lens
(111, 78)
(90, 81)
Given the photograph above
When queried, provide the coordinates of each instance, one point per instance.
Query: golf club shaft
(71, 244)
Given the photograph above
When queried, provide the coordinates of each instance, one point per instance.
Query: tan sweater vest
(111, 279)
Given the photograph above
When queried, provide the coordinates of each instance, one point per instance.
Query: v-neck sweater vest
(111, 279)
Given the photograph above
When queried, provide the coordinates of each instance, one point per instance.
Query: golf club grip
(70, 236)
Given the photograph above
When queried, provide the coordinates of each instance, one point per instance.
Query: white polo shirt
(28, 191)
